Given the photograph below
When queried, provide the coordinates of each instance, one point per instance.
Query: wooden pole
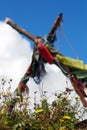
(29, 35)
(56, 24)
(19, 29)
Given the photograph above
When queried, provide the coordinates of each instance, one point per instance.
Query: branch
(19, 29)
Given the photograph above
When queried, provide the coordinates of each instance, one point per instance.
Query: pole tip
(7, 20)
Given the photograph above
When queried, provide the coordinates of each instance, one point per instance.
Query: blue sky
(37, 17)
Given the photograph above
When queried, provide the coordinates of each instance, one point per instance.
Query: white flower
(44, 98)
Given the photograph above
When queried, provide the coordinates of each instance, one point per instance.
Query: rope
(69, 44)
(59, 40)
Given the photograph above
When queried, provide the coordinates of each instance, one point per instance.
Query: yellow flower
(61, 120)
(62, 128)
(39, 110)
(67, 117)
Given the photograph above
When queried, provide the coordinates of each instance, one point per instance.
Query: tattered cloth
(76, 67)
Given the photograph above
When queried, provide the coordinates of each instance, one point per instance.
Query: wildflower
(67, 117)
(57, 100)
(17, 98)
(62, 128)
(11, 80)
(50, 111)
(61, 120)
(10, 108)
(4, 94)
(39, 110)
(64, 96)
(43, 98)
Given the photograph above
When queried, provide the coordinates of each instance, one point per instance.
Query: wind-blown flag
(75, 69)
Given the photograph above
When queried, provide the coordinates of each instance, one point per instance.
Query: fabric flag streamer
(76, 70)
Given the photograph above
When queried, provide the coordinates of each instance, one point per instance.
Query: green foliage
(60, 115)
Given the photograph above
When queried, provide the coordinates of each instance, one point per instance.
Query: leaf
(70, 125)
(8, 103)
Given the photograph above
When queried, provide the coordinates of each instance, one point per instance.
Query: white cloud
(15, 53)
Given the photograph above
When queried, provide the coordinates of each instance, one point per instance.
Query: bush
(62, 114)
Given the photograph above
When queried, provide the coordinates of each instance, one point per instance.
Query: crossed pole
(29, 35)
